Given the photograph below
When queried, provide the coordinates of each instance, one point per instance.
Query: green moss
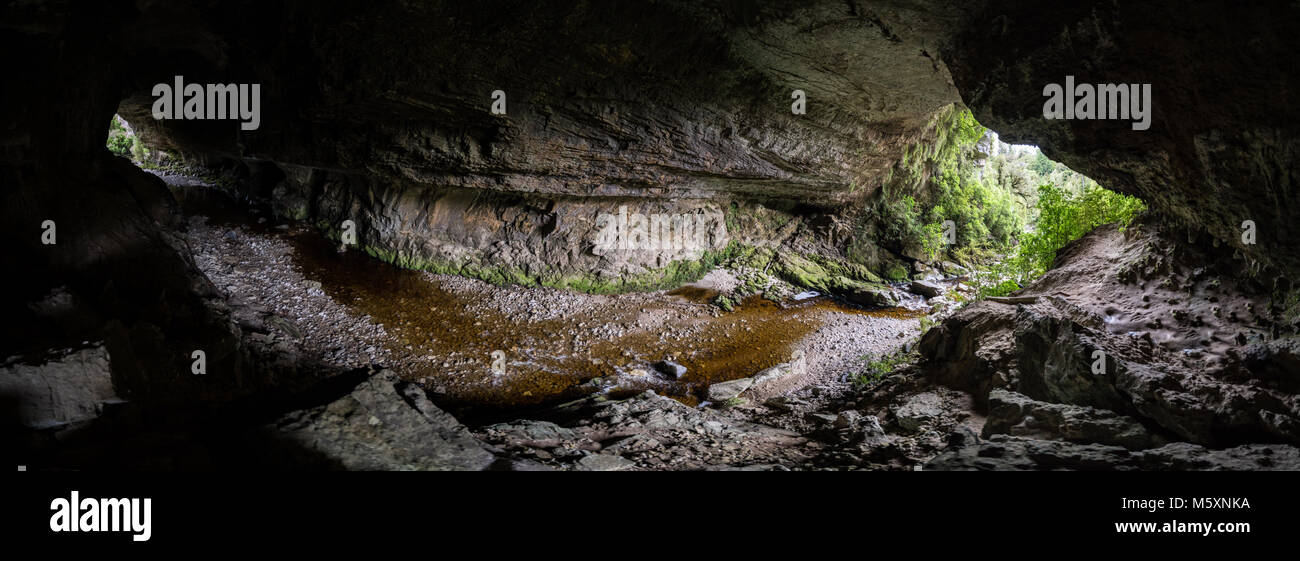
(878, 368)
(897, 272)
(671, 276)
(824, 274)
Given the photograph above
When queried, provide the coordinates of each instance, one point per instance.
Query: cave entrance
(126, 141)
(1051, 205)
(964, 205)
(122, 140)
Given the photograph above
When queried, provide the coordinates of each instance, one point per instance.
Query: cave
(590, 236)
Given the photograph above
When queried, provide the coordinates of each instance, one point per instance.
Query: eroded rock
(723, 391)
(1011, 453)
(1099, 339)
(69, 386)
(1017, 415)
(919, 410)
(381, 424)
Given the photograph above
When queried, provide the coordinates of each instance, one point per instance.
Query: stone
(847, 419)
(774, 374)
(952, 269)
(784, 403)
(68, 386)
(543, 434)
(1012, 453)
(883, 297)
(919, 410)
(926, 288)
(870, 426)
(670, 369)
(826, 418)
(604, 462)
(382, 423)
(723, 391)
(1017, 415)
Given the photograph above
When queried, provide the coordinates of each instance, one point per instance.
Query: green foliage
(1042, 165)
(1063, 217)
(120, 141)
(896, 272)
(878, 368)
(724, 302)
(932, 240)
(138, 152)
(942, 171)
(734, 402)
(985, 214)
(752, 282)
(823, 274)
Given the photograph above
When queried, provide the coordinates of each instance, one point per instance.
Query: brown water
(443, 336)
(546, 361)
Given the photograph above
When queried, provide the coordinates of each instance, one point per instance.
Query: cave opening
(963, 203)
(125, 141)
(870, 268)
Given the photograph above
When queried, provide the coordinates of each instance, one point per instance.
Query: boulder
(773, 374)
(383, 423)
(69, 386)
(604, 462)
(926, 288)
(1017, 415)
(876, 295)
(536, 434)
(670, 369)
(1081, 336)
(919, 410)
(723, 391)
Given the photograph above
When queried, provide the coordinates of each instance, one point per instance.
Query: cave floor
(346, 309)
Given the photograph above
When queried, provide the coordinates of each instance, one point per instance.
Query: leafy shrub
(120, 141)
(986, 215)
(942, 171)
(1063, 217)
(725, 303)
(1042, 165)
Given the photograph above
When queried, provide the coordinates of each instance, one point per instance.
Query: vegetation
(120, 140)
(673, 275)
(725, 302)
(1063, 217)
(944, 169)
(880, 367)
(1012, 207)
